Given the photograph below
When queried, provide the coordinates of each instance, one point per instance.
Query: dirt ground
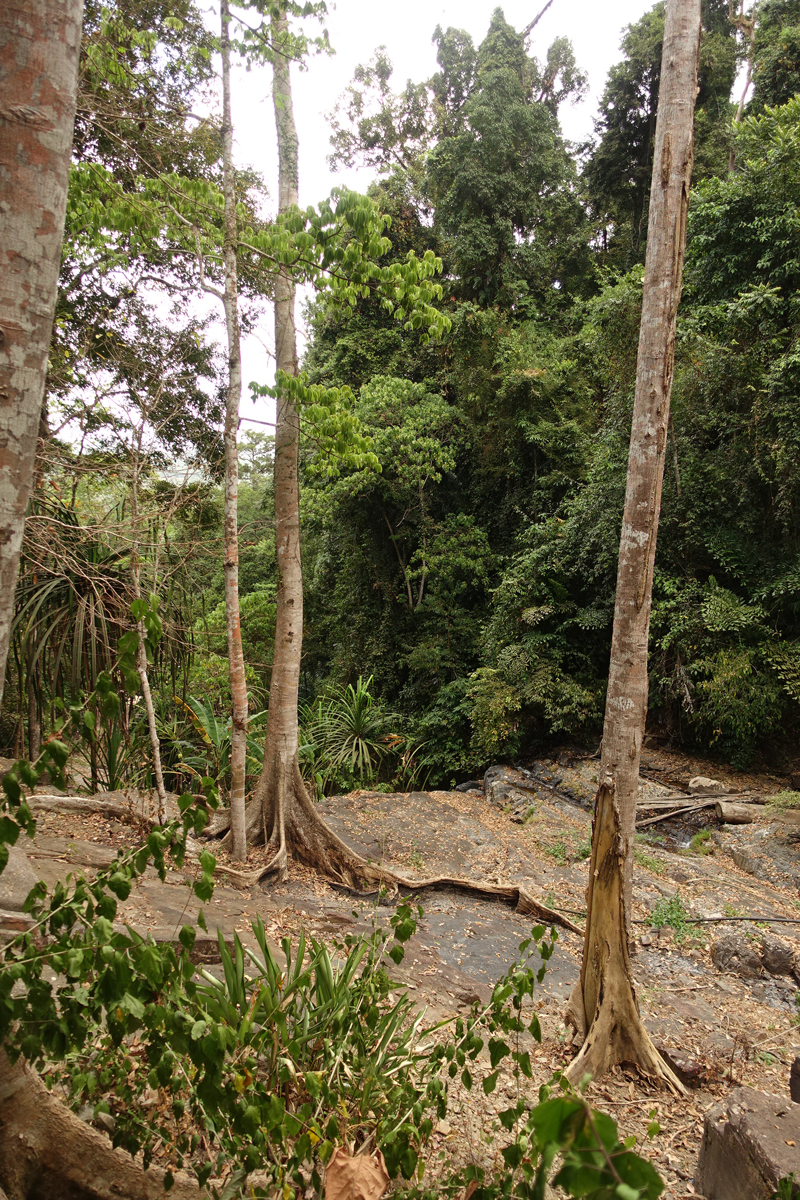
(722, 1028)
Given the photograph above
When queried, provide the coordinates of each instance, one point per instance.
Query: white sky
(356, 28)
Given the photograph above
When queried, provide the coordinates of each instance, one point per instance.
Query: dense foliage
(461, 494)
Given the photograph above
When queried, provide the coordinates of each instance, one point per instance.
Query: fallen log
(681, 799)
(81, 804)
(737, 814)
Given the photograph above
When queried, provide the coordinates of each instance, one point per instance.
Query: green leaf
(187, 937)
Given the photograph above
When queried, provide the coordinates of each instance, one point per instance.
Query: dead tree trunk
(239, 706)
(603, 1006)
(39, 48)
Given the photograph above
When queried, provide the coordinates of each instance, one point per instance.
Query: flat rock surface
(731, 1030)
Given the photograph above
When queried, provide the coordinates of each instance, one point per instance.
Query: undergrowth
(674, 913)
(783, 801)
(255, 1078)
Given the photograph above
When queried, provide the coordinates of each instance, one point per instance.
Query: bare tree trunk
(747, 27)
(280, 790)
(604, 1002)
(141, 649)
(39, 49)
(239, 707)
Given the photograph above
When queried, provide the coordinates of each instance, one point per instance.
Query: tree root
(47, 1151)
(313, 843)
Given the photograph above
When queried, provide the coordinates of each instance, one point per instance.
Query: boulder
(734, 953)
(794, 1081)
(750, 1142)
(498, 783)
(701, 785)
(16, 880)
(776, 956)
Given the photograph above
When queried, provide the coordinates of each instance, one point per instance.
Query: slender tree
(603, 1006)
(281, 787)
(230, 302)
(39, 49)
(232, 615)
(141, 649)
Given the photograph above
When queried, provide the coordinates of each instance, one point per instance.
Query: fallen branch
(678, 812)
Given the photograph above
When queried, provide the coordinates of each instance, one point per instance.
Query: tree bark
(239, 706)
(39, 49)
(604, 1002)
(45, 1150)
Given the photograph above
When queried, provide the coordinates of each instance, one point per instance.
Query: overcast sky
(405, 27)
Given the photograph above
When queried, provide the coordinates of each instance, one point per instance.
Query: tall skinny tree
(230, 303)
(281, 786)
(603, 1006)
(39, 49)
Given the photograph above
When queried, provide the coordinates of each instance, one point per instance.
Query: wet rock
(472, 785)
(16, 880)
(701, 785)
(735, 954)
(776, 956)
(749, 1144)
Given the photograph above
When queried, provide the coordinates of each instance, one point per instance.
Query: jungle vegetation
(459, 575)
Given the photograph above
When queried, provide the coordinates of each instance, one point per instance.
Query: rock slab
(16, 880)
(732, 952)
(751, 1140)
(777, 956)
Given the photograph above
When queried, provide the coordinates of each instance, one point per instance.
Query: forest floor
(722, 1028)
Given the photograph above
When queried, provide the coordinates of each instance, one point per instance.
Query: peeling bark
(606, 993)
(39, 49)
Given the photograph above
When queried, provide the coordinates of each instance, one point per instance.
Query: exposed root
(293, 827)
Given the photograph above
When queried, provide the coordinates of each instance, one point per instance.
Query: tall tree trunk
(747, 27)
(282, 812)
(275, 796)
(232, 613)
(604, 1002)
(39, 49)
(141, 649)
